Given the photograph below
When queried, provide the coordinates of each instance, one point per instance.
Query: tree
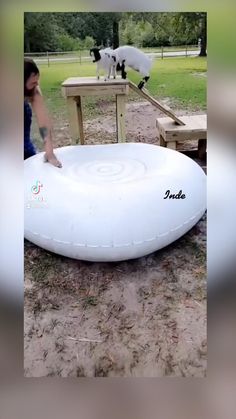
(194, 26)
(115, 31)
(128, 32)
(203, 35)
(40, 32)
(106, 28)
(71, 30)
(66, 42)
(147, 29)
(88, 42)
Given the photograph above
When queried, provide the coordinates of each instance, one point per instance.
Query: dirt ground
(141, 318)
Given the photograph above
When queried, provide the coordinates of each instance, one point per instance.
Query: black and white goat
(103, 59)
(133, 58)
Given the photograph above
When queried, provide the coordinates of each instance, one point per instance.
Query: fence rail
(82, 56)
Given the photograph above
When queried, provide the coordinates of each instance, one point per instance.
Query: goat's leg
(97, 72)
(114, 71)
(141, 84)
(123, 72)
(109, 73)
(118, 67)
(143, 81)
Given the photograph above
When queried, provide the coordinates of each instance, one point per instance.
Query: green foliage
(56, 31)
(186, 27)
(127, 32)
(67, 43)
(145, 34)
(190, 27)
(41, 32)
(89, 42)
(140, 34)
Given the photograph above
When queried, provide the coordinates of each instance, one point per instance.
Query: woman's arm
(45, 127)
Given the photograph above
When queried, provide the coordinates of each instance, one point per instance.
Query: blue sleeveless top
(29, 148)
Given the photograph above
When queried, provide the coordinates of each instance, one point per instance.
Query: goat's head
(96, 53)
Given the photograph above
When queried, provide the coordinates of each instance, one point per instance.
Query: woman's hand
(45, 127)
(51, 158)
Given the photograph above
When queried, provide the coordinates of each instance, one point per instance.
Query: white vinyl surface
(107, 201)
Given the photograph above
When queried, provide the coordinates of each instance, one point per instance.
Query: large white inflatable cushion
(111, 202)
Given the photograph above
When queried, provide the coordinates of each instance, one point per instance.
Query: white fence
(83, 56)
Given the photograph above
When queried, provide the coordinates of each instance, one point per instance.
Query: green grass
(174, 77)
(181, 79)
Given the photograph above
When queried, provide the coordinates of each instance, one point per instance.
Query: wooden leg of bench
(171, 144)
(120, 117)
(75, 119)
(202, 149)
(162, 141)
(80, 119)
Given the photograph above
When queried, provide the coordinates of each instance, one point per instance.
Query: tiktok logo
(36, 188)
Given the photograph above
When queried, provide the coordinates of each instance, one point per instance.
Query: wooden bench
(195, 128)
(74, 88)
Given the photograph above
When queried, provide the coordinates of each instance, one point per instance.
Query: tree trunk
(203, 52)
(115, 34)
(26, 44)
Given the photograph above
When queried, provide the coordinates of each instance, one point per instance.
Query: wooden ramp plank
(165, 109)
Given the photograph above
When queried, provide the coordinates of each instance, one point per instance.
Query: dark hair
(29, 68)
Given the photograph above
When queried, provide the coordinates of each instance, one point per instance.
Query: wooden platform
(90, 86)
(74, 88)
(195, 128)
(170, 129)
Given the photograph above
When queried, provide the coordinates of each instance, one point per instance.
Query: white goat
(103, 58)
(135, 59)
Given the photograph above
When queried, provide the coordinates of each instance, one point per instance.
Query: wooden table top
(92, 81)
(192, 123)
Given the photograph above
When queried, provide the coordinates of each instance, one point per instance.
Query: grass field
(181, 79)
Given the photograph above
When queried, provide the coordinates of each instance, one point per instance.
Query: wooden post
(48, 58)
(162, 53)
(80, 119)
(162, 141)
(171, 144)
(120, 117)
(75, 119)
(202, 148)
(186, 52)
